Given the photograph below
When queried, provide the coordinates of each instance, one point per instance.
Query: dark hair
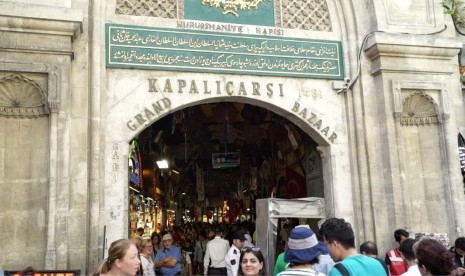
(155, 234)
(369, 247)
(116, 251)
(460, 243)
(399, 233)
(256, 251)
(336, 229)
(406, 247)
(434, 257)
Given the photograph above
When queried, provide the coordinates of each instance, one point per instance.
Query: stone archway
(149, 98)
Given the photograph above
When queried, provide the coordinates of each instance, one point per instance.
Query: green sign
(200, 51)
(257, 12)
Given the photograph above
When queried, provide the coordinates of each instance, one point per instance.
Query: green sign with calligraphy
(201, 51)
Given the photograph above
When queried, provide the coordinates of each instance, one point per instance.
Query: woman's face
(250, 264)
(129, 264)
(155, 241)
(147, 250)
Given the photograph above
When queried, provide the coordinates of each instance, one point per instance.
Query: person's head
(369, 249)
(433, 258)
(122, 258)
(338, 237)
(146, 246)
(406, 249)
(167, 240)
(140, 231)
(239, 239)
(459, 246)
(218, 231)
(400, 235)
(303, 247)
(155, 239)
(178, 243)
(201, 235)
(137, 241)
(252, 262)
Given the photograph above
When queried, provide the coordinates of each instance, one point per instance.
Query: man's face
(167, 243)
(334, 249)
(238, 243)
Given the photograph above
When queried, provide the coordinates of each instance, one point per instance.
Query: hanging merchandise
(135, 166)
(461, 142)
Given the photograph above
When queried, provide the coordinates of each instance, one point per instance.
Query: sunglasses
(248, 249)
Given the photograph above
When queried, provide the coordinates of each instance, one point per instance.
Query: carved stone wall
(306, 15)
(292, 14)
(161, 8)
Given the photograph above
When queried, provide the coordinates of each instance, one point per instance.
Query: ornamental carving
(160, 8)
(21, 97)
(231, 6)
(292, 14)
(419, 109)
(306, 15)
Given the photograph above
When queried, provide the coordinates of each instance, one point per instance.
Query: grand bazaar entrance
(210, 162)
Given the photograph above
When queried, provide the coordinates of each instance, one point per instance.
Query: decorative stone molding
(420, 103)
(419, 109)
(21, 97)
(53, 96)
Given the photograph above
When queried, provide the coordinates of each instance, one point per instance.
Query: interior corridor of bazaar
(219, 158)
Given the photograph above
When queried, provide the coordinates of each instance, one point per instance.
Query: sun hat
(303, 246)
(167, 237)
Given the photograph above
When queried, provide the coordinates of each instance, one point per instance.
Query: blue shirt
(174, 252)
(360, 265)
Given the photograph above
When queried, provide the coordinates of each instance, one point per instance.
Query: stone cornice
(406, 52)
(22, 17)
(388, 44)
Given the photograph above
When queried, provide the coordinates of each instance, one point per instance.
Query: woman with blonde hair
(146, 249)
(122, 259)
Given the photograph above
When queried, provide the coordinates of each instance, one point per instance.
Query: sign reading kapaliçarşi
(200, 51)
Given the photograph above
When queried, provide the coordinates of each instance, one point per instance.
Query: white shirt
(216, 251)
(232, 260)
(147, 266)
(412, 271)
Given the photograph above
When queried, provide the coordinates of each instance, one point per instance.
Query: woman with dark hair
(123, 259)
(155, 244)
(252, 262)
(433, 258)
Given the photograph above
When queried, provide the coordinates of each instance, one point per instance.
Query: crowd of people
(218, 250)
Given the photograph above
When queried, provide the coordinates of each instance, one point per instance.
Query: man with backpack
(340, 240)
